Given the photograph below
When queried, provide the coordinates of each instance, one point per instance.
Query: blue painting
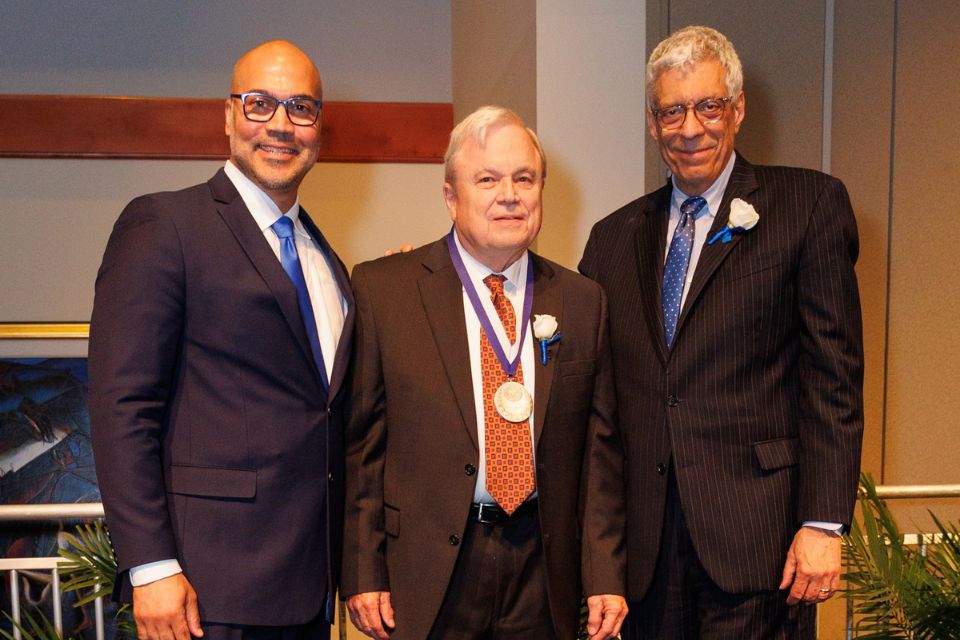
(45, 457)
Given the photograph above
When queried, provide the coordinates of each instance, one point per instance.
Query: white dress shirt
(328, 302)
(515, 286)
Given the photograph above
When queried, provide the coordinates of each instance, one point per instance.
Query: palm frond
(92, 564)
(33, 625)
(899, 591)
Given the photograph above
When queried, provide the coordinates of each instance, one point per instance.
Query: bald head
(276, 153)
(276, 59)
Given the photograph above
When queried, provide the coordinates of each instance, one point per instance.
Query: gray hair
(684, 48)
(476, 126)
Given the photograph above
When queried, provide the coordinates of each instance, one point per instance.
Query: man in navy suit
(738, 365)
(218, 351)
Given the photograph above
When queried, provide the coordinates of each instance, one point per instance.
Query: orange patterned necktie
(507, 446)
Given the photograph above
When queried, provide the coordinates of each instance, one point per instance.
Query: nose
(507, 192)
(280, 122)
(691, 127)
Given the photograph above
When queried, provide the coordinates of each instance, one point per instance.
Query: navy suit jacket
(214, 438)
(759, 402)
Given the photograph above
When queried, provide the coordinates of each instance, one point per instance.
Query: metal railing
(93, 510)
(16, 566)
(893, 492)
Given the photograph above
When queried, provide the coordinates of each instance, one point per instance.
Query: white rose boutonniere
(743, 217)
(545, 330)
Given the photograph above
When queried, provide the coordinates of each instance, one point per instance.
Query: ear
(227, 112)
(740, 104)
(652, 128)
(450, 198)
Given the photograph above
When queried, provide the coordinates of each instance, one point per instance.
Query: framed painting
(45, 451)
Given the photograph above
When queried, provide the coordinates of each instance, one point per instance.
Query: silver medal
(513, 402)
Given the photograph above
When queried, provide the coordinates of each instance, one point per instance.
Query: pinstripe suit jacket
(759, 401)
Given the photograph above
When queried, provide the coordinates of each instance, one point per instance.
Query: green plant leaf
(33, 625)
(898, 591)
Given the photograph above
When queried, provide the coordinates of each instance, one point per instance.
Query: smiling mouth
(694, 152)
(285, 151)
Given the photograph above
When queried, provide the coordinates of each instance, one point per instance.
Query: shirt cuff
(834, 527)
(152, 571)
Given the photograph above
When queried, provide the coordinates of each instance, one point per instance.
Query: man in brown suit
(484, 470)
(738, 365)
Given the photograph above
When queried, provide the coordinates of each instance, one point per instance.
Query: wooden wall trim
(60, 126)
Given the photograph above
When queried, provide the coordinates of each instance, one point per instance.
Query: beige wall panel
(781, 47)
(924, 355)
(56, 215)
(590, 59)
(494, 50)
(925, 279)
(658, 28)
(861, 141)
(364, 209)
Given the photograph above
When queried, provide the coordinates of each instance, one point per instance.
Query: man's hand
(813, 566)
(166, 610)
(406, 247)
(372, 613)
(605, 614)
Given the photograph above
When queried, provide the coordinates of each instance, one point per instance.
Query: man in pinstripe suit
(738, 367)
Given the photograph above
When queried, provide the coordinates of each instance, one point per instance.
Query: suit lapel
(650, 241)
(342, 356)
(547, 300)
(235, 214)
(742, 183)
(442, 297)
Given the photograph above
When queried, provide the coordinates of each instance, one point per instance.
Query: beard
(267, 176)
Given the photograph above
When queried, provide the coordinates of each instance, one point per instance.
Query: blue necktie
(675, 270)
(291, 264)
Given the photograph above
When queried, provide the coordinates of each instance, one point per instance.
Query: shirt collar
(515, 274)
(263, 209)
(714, 193)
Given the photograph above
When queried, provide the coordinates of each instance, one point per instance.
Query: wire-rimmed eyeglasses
(260, 107)
(707, 111)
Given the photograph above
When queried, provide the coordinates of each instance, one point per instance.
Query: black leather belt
(493, 514)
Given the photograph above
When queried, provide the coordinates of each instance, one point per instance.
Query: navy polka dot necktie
(675, 270)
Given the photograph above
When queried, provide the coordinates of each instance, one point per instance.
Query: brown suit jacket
(759, 402)
(412, 448)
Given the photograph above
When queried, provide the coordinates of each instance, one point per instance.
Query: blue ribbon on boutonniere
(743, 217)
(545, 330)
(725, 234)
(543, 348)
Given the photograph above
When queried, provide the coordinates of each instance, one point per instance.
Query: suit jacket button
(661, 468)
(454, 539)
(469, 469)
(672, 400)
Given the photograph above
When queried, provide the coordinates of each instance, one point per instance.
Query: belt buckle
(481, 507)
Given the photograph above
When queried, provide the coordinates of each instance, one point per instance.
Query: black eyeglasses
(707, 111)
(259, 107)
